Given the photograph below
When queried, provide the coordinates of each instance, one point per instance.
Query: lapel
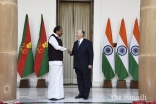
(81, 45)
(76, 44)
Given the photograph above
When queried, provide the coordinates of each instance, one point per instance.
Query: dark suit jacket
(83, 55)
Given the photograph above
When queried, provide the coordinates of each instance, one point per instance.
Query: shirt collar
(81, 40)
(57, 35)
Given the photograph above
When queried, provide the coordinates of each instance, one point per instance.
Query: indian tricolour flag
(134, 52)
(108, 54)
(121, 60)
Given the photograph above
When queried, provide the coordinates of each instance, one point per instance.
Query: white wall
(34, 9)
(115, 10)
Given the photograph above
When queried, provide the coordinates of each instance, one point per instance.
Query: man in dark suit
(83, 62)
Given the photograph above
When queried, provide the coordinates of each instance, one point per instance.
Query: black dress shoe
(85, 98)
(77, 97)
(54, 99)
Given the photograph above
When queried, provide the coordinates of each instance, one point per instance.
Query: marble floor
(97, 96)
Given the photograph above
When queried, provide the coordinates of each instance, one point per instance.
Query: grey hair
(83, 32)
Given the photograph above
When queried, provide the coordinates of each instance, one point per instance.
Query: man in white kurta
(55, 52)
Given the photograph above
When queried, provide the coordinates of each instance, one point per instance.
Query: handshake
(69, 51)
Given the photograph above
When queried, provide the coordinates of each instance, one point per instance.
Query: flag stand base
(41, 83)
(24, 83)
(121, 84)
(107, 84)
(134, 84)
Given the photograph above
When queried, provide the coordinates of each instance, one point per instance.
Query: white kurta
(55, 87)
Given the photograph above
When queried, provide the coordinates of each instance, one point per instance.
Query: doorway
(73, 15)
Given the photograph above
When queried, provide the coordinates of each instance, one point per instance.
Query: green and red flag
(121, 60)
(41, 65)
(108, 54)
(134, 52)
(25, 63)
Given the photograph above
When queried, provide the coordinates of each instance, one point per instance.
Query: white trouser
(55, 87)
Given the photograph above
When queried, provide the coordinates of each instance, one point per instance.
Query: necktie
(78, 44)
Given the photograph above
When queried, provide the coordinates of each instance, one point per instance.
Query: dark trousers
(84, 82)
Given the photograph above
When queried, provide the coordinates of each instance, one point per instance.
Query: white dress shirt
(56, 45)
(80, 41)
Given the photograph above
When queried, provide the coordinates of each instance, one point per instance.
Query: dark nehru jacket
(55, 55)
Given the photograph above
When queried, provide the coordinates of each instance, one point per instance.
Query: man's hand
(90, 66)
(69, 52)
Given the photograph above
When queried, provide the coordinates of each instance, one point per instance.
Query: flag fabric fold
(25, 63)
(121, 59)
(134, 52)
(108, 54)
(41, 65)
